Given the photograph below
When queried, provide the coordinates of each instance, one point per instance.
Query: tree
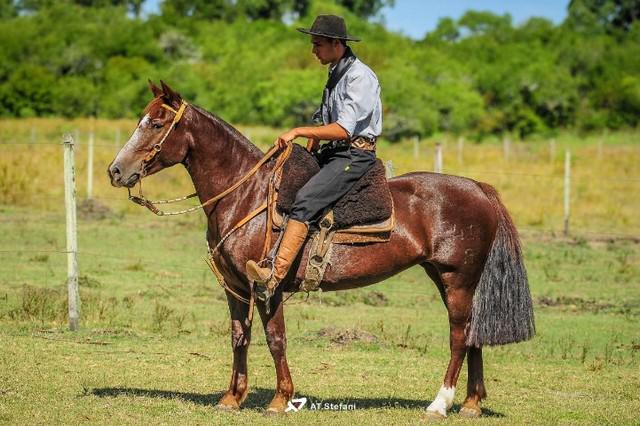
(265, 9)
(447, 31)
(133, 6)
(199, 9)
(365, 8)
(487, 23)
(8, 9)
(610, 14)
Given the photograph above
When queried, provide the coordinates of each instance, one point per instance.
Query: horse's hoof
(433, 416)
(277, 406)
(226, 407)
(228, 403)
(470, 412)
(274, 412)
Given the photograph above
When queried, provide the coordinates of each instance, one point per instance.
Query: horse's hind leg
(475, 384)
(240, 339)
(274, 329)
(458, 298)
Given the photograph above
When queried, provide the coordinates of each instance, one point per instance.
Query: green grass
(154, 346)
(154, 343)
(605, 188)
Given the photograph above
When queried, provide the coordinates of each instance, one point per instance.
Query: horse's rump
(369, 201)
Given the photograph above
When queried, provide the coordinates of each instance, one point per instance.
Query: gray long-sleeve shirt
(354, 103)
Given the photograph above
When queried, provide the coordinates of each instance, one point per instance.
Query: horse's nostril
(115, 171)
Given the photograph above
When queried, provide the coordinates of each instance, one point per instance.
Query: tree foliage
(479, 74)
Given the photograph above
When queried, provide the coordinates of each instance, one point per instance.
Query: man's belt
(366, 144)
(361, 142)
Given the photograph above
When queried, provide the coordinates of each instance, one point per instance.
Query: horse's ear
(171, 97)
(155, 89)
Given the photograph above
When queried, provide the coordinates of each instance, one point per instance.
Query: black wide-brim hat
(330, 26)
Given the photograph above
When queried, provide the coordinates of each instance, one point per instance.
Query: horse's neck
(218, 158)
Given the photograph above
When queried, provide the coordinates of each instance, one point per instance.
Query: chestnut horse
(457, 229)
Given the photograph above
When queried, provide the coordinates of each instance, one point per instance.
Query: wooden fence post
(567, 190)
(72, 240)
(388, 167)
(437, 161)
(117, 139)
(90, 167)
(506, 148)
(600, 149)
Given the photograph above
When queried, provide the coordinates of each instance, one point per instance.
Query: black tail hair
(502, 308)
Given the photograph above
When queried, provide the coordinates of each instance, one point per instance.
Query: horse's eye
(157, 124)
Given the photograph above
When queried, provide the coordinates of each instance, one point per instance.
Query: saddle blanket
(368, 202)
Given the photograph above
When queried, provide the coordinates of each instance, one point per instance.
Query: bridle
(158, 147)
(151, 155)
(271, 199)
(140, 199)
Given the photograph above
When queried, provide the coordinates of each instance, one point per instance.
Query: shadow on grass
(259, 398)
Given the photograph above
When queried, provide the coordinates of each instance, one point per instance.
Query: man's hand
(313, 144)
(285, 138)
(330, 132)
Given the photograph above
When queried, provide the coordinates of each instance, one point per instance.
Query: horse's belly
(358, 266)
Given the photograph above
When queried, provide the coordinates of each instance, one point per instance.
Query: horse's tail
(502, 308)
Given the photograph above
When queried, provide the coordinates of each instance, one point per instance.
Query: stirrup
(264, 293)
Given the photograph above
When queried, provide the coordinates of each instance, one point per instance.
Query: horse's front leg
(277, 340)
(240, 339)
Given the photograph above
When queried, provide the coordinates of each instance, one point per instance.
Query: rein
(141, 200)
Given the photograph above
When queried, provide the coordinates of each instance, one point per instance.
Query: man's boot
(293, 239)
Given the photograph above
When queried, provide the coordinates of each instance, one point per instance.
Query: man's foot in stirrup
(267, 279)
(262, 278)
(257, 273)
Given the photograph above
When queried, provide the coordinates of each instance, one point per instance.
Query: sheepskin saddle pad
(368, 202)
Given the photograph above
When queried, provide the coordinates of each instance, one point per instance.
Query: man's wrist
(299, 132)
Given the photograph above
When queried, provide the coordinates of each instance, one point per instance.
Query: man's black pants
(340, 169)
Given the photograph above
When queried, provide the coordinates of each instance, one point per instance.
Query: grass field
(154, 345)
(605, 187)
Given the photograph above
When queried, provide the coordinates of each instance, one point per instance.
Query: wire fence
(577, 179)
(610, 181)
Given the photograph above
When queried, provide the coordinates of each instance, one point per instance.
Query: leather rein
(141, 200)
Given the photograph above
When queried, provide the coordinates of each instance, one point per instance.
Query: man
(351, 117)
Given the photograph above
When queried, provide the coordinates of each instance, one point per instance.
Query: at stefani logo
(296, 405)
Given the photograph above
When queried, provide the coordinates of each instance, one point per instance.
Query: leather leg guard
(293, 239)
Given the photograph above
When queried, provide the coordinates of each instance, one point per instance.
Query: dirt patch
(375, 298)
(87, 281)
(93, 210)
(580, 305)
(344, 336)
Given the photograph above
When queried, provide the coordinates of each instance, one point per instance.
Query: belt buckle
(364, 143)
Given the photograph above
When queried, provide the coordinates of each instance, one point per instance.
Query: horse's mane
(218, 122)
(227, 128)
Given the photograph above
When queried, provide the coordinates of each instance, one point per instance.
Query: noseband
(275, 175)
(149, 204)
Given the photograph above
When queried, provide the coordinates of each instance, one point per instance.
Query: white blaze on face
(443, 401)
(132, 143)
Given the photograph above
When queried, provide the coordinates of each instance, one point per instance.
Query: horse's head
(157, 143)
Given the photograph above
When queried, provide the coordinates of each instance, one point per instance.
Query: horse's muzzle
(119, 179)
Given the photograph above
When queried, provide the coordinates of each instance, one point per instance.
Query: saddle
(362, 216)
(367, 205)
